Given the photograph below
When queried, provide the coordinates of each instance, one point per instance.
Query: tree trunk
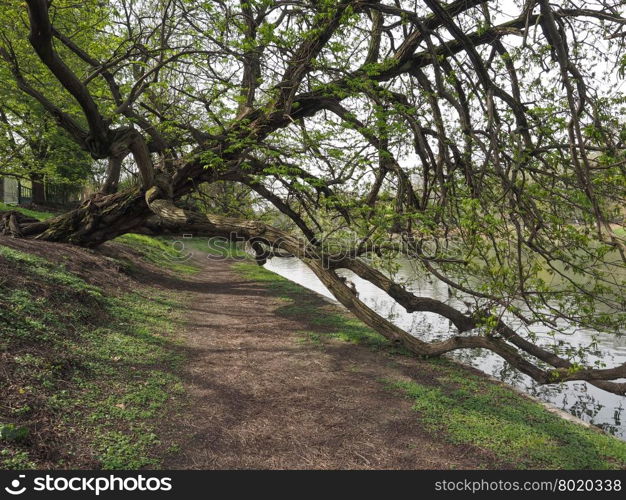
(38, 189)
(114, 170)
(95, 221)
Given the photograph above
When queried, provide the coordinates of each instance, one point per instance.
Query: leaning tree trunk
(96, 221)
(106, 216)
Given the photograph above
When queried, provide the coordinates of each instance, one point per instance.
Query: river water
(589, 403)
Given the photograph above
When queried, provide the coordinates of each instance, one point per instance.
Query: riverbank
(130, 357)
(579, 399)
(453, 404)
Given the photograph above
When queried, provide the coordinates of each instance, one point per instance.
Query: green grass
(467, 409)
(139, 359)
(162, 252)
(87, 375)
(459, 407)
(25, 211)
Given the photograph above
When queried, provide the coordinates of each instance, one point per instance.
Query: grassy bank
(31, 213)
(453, 403)
(89, 368)
(159, 251)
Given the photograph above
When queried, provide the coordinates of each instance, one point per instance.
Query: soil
(260, 398)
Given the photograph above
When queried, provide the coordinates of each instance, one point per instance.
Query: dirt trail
(263, 399)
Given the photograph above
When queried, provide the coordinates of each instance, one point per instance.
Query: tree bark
(114, 169)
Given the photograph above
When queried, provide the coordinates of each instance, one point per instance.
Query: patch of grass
(160, 251)
(310, 338)
(468, 409)
(15, 460)
(26, 211)
(119, 450)
(132, 366)
(46, 271)
(88, 374)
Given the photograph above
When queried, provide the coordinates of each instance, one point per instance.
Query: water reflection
(586, 402)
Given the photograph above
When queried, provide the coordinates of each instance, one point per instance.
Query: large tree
(482, 140)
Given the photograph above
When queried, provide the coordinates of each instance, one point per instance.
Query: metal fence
(25, 194)
(13, 192)
(61, 195)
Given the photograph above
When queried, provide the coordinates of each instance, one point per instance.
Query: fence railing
(25, 194)
(14, 192)
(61, 195)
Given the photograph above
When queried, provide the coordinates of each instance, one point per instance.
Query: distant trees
(482, 140)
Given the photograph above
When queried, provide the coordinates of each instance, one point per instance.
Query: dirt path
(261, 398)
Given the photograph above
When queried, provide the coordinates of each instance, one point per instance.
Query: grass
(217, 247)
(328, 323)
(87, 375)
(326, 320)
(457, 405)
(162, 252)
(174, 253)
(26, 211)
(139, 359)
(468, 409)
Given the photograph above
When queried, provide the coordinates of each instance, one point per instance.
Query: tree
(34, 148)
(481, 139)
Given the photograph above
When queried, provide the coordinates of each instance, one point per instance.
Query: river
(586, 402)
